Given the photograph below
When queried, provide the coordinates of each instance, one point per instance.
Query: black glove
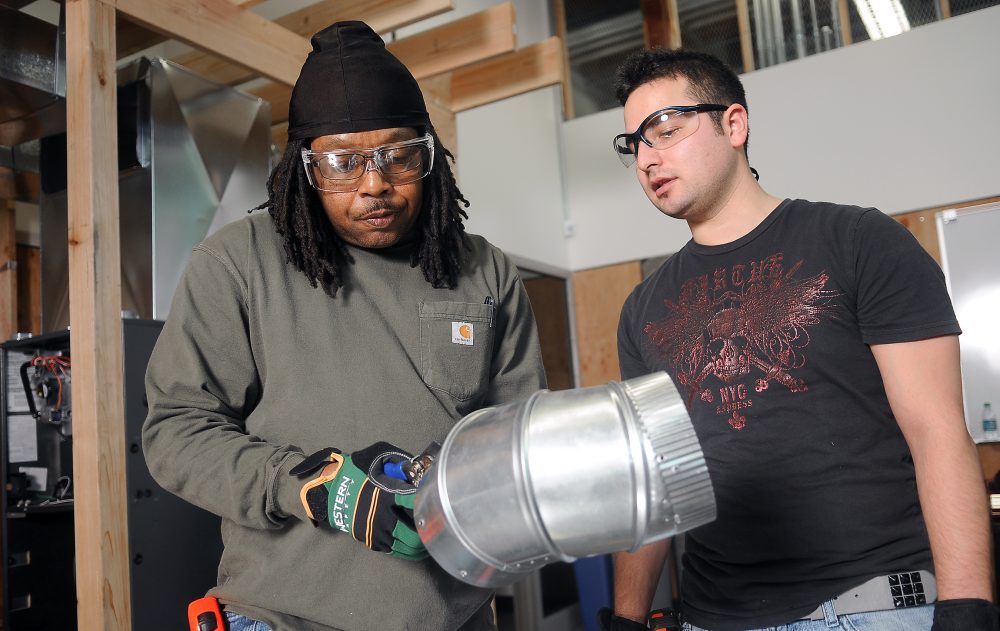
(966, 614)
(608, 621)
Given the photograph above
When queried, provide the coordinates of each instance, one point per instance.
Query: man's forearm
(636, 577)
(953, 499)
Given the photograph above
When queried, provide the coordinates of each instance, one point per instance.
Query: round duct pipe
(563, 475)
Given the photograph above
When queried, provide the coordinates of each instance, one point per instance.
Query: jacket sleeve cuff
(283, 490)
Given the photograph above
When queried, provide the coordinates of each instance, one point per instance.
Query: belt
(892, 591)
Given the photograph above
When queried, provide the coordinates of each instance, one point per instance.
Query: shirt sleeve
(516, 371)
(630, 359)
(901, 291)
(201, 385)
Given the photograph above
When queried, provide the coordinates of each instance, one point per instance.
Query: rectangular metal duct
(32, 77)
(193, 156)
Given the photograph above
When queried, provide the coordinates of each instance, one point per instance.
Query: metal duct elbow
(563, 475)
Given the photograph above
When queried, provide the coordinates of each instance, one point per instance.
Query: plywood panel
(100, 517)
(598, 296)
(548, 302)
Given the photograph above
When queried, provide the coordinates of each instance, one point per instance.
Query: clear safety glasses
(662, 129)
(398, 163)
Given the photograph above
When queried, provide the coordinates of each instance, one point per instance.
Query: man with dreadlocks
(356, 311)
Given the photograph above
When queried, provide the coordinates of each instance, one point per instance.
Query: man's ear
(735, 122)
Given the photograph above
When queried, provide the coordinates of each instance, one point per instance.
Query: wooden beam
(437, 98)
(661, 23)
(22, 186)
(472, 39)
(29, 289)
(132, 38)
(100, 515)
(8, 270)
(559, 14)
(226, 30)
(530, 68)
(455, 44)
(845, 22)
(382, 15)
(746, 39)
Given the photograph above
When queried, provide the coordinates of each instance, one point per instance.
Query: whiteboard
(970, 257)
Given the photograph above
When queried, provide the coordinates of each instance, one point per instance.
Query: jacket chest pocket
(456, 347)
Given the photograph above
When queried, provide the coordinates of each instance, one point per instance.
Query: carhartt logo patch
(461, 333)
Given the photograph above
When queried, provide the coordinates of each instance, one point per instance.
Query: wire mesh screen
(958, 7)
(710, 26)
(599, 36)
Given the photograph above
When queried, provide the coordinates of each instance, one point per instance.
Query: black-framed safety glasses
(662, 129)
(340, 171)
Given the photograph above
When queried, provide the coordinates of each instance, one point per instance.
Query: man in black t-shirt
(817, 351)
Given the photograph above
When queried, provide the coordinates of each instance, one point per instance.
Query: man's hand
(353, 494)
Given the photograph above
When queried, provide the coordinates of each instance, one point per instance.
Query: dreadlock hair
(709, 79)
(314, 248)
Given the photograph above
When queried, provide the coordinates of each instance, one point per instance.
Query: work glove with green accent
(353, 494)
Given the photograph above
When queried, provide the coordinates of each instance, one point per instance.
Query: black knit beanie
(351, 83)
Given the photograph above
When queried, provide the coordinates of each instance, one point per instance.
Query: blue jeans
(242, 623)
(908, 619)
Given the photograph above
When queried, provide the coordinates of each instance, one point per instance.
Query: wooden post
(746, 38)
(559, 15)
(8, 270)
(102, 571)
(945, 9)
(661, 23)
(845, 22)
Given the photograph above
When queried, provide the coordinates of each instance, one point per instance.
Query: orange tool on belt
(205, 614)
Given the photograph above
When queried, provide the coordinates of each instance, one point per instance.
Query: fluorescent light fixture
(882, 18)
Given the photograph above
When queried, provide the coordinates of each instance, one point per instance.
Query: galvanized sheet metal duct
(563, 475)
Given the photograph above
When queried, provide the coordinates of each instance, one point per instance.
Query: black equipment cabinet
(174, 547)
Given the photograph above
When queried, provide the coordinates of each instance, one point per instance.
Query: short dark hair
(709, 79)
(313, 247)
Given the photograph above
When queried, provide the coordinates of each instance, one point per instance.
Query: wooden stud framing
(22, 186)
(598, 296)
(527, 69)
(8, 269)
(29, 289)
(132, 38)
(468, 40)
(472, 39)
(746, 38)
(845, 22)
(381, 15)
(100, 515)
(661, 23)
(559, 15)
(226, 30)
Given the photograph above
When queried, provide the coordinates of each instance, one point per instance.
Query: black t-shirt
(766, 338)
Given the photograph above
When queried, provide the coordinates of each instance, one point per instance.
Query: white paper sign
(22, 438)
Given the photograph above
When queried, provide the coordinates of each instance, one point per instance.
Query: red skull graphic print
(747, 326)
